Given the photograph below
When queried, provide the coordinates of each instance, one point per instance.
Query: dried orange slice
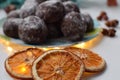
(57, 65)
(92, 61)
(19, 64)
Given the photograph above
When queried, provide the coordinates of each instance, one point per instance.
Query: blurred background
(85, 5)
(5, 3)
(18, 3)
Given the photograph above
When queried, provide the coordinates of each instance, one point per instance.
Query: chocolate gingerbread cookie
(73, 27)
(88, 21)
(14, 14)
(33, 30)
(54, 30)
(10, 27)
(50, 11)
(28, 8)
(70, 6)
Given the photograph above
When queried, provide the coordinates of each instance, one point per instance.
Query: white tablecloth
(108, 48)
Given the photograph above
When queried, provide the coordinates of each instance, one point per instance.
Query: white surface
(109, 48)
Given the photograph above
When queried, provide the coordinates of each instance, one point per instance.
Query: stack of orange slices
(62, 64)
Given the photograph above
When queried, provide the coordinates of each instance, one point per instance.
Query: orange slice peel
(92, 61)
(57, 65)
(19, 64)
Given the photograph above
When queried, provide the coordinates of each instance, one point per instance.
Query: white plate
(55, 42)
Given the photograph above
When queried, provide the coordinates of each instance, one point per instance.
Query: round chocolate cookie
(88, 21)
(33, 30)
(14, 14)
(70, 6)
(10, 27)
(28, 8)
(73, 27)
(54, 31)
(51, 11)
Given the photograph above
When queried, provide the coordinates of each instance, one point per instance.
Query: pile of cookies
(39, 20)
(69, 63)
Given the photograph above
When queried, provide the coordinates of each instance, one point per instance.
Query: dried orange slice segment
(19, 64)
(92, 61)
(57, 65)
